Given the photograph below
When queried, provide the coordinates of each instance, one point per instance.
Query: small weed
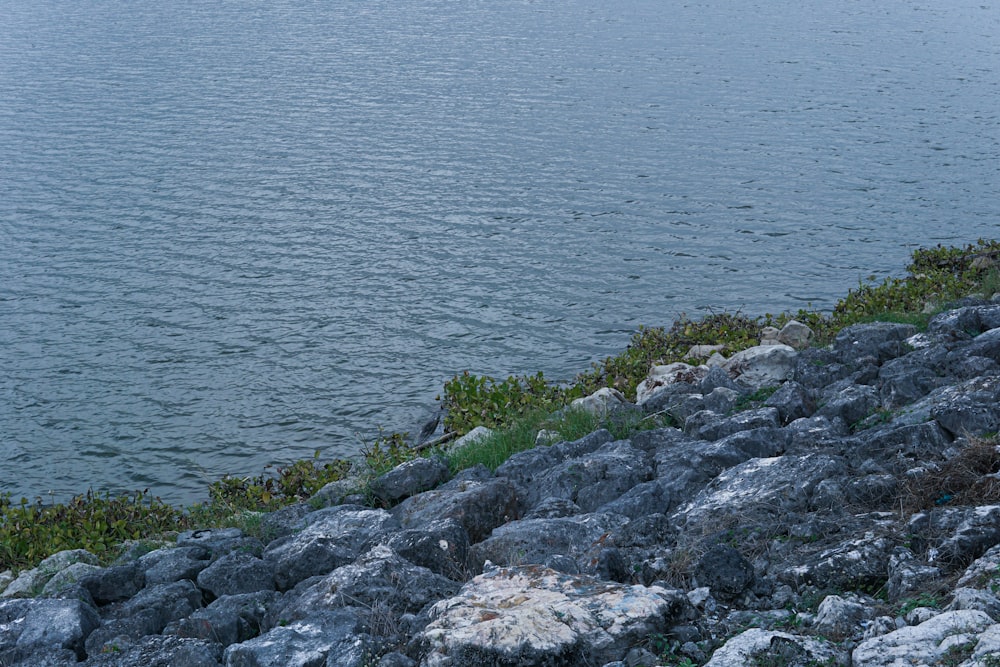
(923, 600)
(957, 654)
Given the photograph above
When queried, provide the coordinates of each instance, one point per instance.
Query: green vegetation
(517, 408)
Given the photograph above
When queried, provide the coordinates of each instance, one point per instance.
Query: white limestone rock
(925, 644)
(662, 376)
(533, 615)
(601, 402)
(768, 647)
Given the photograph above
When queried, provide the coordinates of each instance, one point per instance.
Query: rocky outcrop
(834, 506)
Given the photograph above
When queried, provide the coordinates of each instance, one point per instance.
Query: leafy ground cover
(517, 408)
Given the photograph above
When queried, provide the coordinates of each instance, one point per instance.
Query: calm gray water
(232, 233)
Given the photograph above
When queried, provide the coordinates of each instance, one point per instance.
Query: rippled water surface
(232, 233)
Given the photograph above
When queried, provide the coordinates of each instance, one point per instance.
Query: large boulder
(330, 538)
(536, 616)
(37, 626)
(478, 505)
(306, 643)
(409, 478)
(879, 340)
(757, 646)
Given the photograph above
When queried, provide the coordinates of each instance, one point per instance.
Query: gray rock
(116, 583)
(410, 478)
(716, 378)
(478, 506)
(795, 334)
(856, 563)
(882, 340)
(793, 401)
(907, 575)
(168, 565)
(901, 381)
(147, 613)
(159, 651)
(533, 541)
(380, 578)
(31, 582)
(769, 647)
(762, 366)
(763, 488)
(924, 644)
(721, 400)
(592, 479)
(956, 536)
(69, 576)
(974, 598)
(841, 617)
(237, 572)
(553, 508)
(965, 322)
(228, 620)
(741, 421)
(440, 546)
(523, 467)
(535, 616)
(724, 571)
(44, 625)
(306, 643)
(331, 538)
(852, 404)
(983, 571)
(219, 541)
(970, 407)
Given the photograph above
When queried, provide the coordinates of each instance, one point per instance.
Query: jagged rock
(793, 401)
(592, 479)
(45, 625)
(440, 546)
(522, 468)
(742, 421)
(116, 583)
(478, 506)
(902, 381)
(532, 541)
(237, 572)
(852, 404)
(228, 620)
(410, 478)
(724, 571)
(159, 651)
(970, 407)
(768, 647)
(147, 613)
(762, 366)
(379, 578)
(331, 538)
(903, 446)
(306, 643)
(553, 508)
(536, 616)
(219, 541)
(855, 563)
(983, 571)
(908, 576)
(716, 378)
(288, 519)
(762, 487)
(31, 582)
(974, 598)
(840, 617)
(924, 644)
(165, 566)
(965, 322)
(881, 340)
(957, 536)
(601, 402)
(477, 434)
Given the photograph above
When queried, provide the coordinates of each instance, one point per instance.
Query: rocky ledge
(846, 518)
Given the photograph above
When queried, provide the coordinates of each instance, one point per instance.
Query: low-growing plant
(292, 483)
(929, 600)
(96, 522)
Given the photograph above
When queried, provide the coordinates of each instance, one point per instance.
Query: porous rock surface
(849, 517)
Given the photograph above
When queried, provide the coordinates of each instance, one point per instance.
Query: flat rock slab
(533, 615)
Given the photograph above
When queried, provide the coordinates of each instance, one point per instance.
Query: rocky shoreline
(820, 506)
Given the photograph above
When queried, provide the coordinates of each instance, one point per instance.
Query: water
(233, 233)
